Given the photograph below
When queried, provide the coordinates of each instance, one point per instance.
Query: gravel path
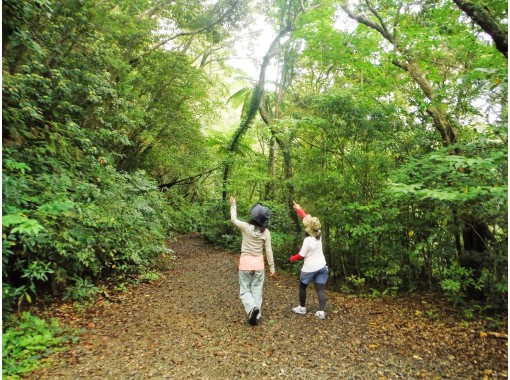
(191, 325)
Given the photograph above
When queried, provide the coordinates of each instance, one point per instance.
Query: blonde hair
(312, 225)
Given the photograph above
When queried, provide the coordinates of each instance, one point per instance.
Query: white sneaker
(320, 314)
(299, 309)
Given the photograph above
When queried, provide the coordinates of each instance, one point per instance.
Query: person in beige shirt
(256, 240)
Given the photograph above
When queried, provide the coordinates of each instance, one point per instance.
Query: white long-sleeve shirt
(253, 245)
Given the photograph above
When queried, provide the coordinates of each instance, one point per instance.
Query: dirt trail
(191, 325)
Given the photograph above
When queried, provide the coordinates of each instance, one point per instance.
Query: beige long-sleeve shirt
(253, 245)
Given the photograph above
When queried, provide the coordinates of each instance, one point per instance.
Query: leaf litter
(191, 325)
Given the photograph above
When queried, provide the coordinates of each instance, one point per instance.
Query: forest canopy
(126, 123)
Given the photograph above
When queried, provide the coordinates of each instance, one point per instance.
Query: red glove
(296, 257)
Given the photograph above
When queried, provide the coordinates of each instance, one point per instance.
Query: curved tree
(287, 25)
(483, 15)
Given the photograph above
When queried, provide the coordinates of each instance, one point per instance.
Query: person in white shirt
(256, 239)
(314, 266)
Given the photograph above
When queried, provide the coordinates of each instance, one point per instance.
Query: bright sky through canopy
(251, 48)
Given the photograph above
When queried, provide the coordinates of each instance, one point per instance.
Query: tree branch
(188, 180)
(490, 25)
(381, 21)
(365, 21)
(189, 33)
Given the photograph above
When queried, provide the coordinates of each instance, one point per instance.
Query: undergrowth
(26, 340)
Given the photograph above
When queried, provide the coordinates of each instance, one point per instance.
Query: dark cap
(260, 214)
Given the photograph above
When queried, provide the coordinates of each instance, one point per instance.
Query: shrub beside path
(191, 325)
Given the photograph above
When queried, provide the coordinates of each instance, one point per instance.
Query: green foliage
(99, 109)
(357, 282)
(93, 111)
(284, 245)
(93, 220)
(36, 271)
(12, 295)
(149, 277)
(213, 225)
(25, 341)
(83, 290)
(443, 175)
(455, 282)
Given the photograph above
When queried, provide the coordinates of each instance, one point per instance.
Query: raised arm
(299, 210)
(233, 210)
(243, 226)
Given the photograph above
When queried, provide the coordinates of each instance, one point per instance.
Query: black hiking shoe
(252, 316)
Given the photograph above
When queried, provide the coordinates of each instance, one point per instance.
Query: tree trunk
(439, 119)
(482, 16)
(256, 100)
(271, 167)
(326, 238)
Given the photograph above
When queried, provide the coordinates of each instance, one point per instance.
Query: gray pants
(251, 283)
